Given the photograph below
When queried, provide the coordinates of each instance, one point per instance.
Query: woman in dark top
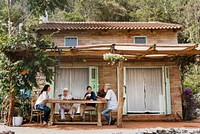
(90, 95)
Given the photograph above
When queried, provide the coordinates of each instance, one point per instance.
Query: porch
(86, 64)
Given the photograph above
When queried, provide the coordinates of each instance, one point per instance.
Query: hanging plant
(113, 58)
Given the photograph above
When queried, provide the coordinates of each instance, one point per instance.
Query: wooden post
(51, 121)
(120, 77)
(99, 114)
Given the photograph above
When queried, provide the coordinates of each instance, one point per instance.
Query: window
(71, 41)
(140, 40)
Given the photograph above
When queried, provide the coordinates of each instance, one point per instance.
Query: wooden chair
(91, 110)
(114, 113)
(35, 112)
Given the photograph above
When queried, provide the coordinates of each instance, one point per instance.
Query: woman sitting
(41, 105)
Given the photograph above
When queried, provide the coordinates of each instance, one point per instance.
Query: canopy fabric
(128, 50)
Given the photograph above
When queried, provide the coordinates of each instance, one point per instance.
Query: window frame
(71, 37)
(139, 36)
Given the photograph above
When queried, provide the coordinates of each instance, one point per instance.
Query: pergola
(130, 52)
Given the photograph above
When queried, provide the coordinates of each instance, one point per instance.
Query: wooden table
(54, 101)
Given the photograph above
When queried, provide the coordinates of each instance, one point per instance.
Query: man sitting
(69, 108)
(90, 95)
(112, 103)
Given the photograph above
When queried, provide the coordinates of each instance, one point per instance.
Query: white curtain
(135, 92)
(153, 88)
(144, 89)
(75, 79)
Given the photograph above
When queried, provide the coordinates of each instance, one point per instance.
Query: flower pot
(17, 121)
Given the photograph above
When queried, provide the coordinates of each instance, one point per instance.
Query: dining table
(53, 102)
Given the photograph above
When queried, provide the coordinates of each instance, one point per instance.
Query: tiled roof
(107, 25)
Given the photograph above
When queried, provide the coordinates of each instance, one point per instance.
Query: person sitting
(41, 105)
(112, 103)
(90, 95)
(69, 108)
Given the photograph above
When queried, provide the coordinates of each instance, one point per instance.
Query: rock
(7, 132)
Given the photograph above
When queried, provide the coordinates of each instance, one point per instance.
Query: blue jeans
(46, 111)
(106, 114)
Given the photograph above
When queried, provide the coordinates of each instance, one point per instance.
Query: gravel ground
(133, 127)
(32, 130)
(28, 130)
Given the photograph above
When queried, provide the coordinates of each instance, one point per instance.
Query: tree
(192, 78)
(22, 56)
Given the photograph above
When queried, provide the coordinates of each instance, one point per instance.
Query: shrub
(190, 104)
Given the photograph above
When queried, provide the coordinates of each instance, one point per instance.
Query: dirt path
(126, 125)
(128, 128)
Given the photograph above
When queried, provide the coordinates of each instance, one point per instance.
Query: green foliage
(184, 62)
(185, 12)
(24, 51)
(192, 78)
(100, 10)
(65, 16)
(72, 16)
(38, 7)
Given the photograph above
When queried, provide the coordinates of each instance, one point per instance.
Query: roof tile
(107, 25)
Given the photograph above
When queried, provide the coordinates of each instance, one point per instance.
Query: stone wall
(41, 82)
(89, 37)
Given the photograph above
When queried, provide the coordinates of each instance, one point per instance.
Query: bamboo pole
(120, 93)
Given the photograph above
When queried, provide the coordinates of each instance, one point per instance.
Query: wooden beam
(79, 53)
(152, 48)
(158, 45)
(172, 52)
(86, 46)
(120, 93)
(191, 48)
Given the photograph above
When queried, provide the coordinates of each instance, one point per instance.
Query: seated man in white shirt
(69, 108)
(112, 103)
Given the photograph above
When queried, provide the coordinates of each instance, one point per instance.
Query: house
(151, 81)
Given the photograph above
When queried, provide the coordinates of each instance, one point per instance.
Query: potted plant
(21, 107)
(17, 118)
(113, 58)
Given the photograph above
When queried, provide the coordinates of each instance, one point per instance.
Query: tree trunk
(11, 108)
(12, 94)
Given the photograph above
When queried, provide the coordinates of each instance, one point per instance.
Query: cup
(89, 95)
